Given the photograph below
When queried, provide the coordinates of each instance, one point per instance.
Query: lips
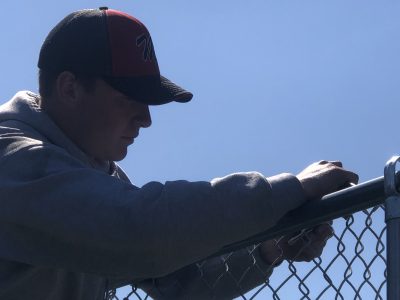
(130, 138)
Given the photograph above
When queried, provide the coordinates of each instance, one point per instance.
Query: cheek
(104, 120)
(106, 123)
(110, 133)
(97, 130)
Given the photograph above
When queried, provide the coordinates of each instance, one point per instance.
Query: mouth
(130, 137)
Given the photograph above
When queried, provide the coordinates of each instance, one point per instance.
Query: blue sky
(277, 84)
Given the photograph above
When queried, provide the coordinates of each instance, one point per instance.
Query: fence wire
(352, 266)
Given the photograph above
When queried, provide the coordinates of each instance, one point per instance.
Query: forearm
(224, 277)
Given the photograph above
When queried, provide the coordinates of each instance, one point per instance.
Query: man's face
(109, 121)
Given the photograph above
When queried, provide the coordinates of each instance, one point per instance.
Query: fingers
(322, 232)
(350, 177)
(353, 177)
(317, 242)
(308, 246)
(346, 177)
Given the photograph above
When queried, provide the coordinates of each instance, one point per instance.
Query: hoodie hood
(24, 109)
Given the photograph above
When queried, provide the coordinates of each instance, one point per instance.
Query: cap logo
(148, 49)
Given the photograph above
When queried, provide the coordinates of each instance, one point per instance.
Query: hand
(274, 252)
(325, 177)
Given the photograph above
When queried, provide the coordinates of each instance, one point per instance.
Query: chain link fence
(352, 266)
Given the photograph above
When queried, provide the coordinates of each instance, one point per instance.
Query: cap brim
(152, 90)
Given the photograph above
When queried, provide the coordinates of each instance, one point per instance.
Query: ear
(67, 88)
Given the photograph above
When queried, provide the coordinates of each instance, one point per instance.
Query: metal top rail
(332, 206)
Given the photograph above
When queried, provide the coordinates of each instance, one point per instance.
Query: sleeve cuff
(288, 192)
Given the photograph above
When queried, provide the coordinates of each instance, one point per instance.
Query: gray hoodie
(70, 227)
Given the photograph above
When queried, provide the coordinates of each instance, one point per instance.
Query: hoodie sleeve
(57, 212)
(225, 277)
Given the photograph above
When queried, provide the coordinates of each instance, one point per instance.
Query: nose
(144, 117)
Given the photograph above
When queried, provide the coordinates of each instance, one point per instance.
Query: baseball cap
(114, 46)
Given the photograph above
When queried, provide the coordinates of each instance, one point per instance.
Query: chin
(116, 153)
(119, 156)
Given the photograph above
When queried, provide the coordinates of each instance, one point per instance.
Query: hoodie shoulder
(15, 137)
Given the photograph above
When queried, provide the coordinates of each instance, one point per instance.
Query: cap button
(103, 7)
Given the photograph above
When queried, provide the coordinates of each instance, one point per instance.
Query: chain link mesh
(352, 266)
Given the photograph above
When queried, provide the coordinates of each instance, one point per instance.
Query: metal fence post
(392, 219)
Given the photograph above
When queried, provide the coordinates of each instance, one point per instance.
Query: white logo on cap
(148, 50)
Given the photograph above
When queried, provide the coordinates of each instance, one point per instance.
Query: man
(72, 226)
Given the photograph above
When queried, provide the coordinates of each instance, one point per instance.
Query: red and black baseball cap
(114, 46)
